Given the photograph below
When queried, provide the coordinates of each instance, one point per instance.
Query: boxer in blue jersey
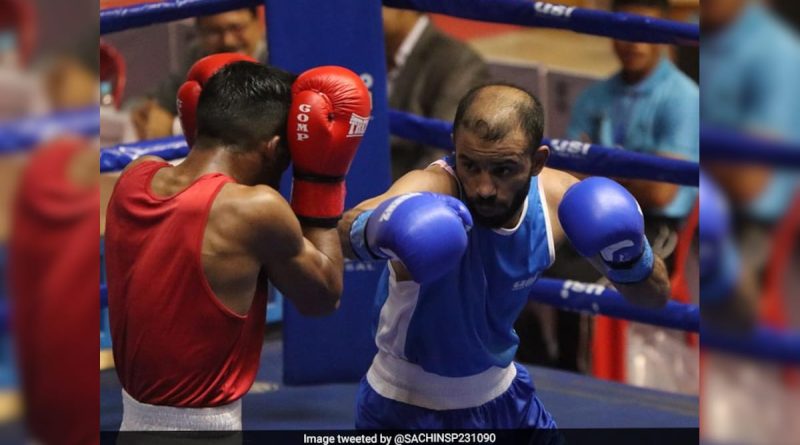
(465, 239)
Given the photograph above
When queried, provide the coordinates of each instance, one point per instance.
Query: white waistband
(138, 416)
(397, 379)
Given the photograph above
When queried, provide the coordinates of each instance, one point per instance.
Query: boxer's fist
(329, 115)
(604, 223)
(189, 92)
(427, 232)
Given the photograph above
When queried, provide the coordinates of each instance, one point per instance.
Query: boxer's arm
(304, 263)
(653, 292)
(432, 179)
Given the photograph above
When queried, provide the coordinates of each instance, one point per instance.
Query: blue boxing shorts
(517, 408)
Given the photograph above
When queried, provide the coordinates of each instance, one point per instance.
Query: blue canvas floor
(574, 400)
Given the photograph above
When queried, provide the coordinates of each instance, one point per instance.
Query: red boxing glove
(189, 92)
(329, 115)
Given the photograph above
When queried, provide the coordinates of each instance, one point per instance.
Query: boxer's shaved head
(497, 133)
(494, 111)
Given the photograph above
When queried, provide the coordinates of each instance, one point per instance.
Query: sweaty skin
(251, 227)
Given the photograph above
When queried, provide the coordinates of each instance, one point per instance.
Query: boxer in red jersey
(190, 248)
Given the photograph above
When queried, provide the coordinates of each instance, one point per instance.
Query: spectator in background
(428, 73)
(240, 31)
(71, 76)
(651, 107)
(20, 94)
(749, 84)
(761, 98)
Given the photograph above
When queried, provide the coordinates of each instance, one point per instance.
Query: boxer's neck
(514, 220)
(245, 167)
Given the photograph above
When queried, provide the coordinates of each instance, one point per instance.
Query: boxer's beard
(496, 221)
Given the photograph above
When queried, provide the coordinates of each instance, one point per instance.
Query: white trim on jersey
(403, 381)
(507, 232)
(550, 242)
(396, 315)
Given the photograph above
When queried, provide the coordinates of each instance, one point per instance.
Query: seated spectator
(428, 73)
(241, 31)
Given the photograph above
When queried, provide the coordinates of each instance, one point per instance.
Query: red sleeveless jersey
(174, 342)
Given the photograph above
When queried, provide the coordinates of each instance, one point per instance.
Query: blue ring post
(304, 34)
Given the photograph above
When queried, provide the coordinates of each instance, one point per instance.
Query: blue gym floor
(576, 401)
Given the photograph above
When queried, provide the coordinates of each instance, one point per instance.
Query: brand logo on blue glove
(615, 254)
(391, 207)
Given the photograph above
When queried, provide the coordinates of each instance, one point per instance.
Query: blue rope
(117, 157)
(137, 16)
(26, 133)
(515, 12)
(762, 343)
(564, 155)
(597, 299)
(545, 15)
(728, 145)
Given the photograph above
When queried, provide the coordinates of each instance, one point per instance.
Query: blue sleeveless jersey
(462, 324)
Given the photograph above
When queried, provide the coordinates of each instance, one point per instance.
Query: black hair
(530, 117)
(663, 5)
(244, 104)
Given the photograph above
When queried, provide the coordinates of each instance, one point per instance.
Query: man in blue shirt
(749, 83)
(649, 107)
(745, 38)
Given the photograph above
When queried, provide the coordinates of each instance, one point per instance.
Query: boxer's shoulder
(435, 178)
(248, 203)
(141, 160)
(258, 211)
(555, 183)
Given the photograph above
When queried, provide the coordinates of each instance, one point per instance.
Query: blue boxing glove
(427, 232)
(604, 223)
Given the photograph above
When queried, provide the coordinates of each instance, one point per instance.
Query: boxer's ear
(539, 159)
